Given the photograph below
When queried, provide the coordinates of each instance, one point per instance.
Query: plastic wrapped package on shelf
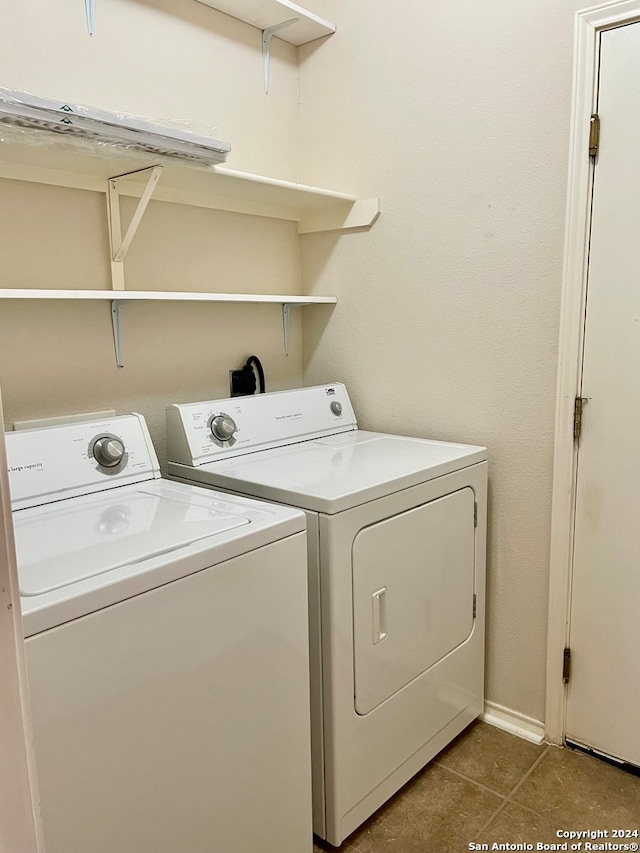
(32, 120)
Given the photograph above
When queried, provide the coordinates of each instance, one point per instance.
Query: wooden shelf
(120, 298)
(165, 296)
(215, 187)
(264, 14)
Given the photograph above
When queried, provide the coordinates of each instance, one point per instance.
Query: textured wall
(457, 115)
(160, 58)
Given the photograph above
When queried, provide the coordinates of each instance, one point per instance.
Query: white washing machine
(396, 532)
(167, 651)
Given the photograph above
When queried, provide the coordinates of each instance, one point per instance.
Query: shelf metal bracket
(120, 244)
(286, 317)
(90, 11)
(116, 321)
(266, 47)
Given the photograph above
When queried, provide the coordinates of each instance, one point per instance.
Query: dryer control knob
(223, 427)
(336, 407)
(108, 451)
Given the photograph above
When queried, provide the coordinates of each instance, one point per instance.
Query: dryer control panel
(198, 433)
(56, 462)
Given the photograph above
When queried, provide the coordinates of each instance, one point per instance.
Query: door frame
(589, 23)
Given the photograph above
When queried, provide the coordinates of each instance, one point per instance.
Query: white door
(603, 701)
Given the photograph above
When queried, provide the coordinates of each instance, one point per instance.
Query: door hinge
(578, 407)
(475, 605)
(594, 135)
(566, 665)
(475, 513)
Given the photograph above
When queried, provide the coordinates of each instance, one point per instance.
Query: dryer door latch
(379, 616)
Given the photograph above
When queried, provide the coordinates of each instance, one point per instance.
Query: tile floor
(489, 786)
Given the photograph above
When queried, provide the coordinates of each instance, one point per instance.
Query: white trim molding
(513, 722)
(589, 24)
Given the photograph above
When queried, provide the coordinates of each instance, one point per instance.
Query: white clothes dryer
(166, 649)
(396, 535)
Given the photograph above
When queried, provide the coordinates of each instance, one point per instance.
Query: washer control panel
(203, 432)
(71, 459)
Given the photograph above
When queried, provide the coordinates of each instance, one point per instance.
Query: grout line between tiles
(507, 799)
(544, 817)
(502, 797)
(488, 823)
(473, 781)
(527, 774)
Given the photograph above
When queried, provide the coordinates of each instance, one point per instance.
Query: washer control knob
(108, 451)
(336, 407)
(223, 427)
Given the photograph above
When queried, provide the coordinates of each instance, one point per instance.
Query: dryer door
(413, 586)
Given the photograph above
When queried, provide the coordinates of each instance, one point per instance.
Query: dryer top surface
(334, 473)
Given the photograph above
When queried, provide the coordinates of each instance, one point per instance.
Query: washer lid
(79, 538)
(337, 472)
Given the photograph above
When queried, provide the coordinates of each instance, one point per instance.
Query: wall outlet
(242, 382)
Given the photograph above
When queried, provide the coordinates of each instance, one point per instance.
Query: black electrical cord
(255, 361)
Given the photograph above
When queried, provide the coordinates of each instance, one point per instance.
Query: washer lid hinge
(475, 513)
(566, 665)
(475, 605)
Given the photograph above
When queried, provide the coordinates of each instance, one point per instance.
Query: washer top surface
(80, 554)
(335, 472)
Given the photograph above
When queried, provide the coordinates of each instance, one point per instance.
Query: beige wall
(457, 115)
(161, 58)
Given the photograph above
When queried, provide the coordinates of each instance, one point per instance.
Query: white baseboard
(513, 722)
